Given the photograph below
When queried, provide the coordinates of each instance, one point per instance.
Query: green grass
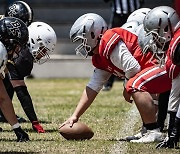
(54, 101)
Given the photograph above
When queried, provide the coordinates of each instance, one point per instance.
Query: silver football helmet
(87, 29)
(42, 40)
(146, 43)
(138, 15)
(161, 22)
(3, 58)
(130, 26)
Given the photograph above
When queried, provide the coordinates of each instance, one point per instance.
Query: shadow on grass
(118, 139)
(30, 130)
(46, 130)
(16, 152)
(34, 140)
(43, 122)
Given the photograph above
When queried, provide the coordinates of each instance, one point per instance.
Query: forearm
(86, 100)
(6, 106)
(26, 102)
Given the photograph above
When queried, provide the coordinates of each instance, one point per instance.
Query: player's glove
(22, 136)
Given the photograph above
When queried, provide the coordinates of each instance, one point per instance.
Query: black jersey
(21, 66)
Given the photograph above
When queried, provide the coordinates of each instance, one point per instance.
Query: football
(79, 131)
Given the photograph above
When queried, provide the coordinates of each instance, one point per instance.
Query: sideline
(130, 119)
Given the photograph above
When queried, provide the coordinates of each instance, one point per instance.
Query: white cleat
(138, 135)
(151, 136)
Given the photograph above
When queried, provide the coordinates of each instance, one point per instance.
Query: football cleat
(172, 140)
(168, 142)
(151, 136)
(138, 135)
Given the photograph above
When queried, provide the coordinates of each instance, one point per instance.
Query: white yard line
(131, 118)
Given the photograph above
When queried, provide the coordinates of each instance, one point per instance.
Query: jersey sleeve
(124, 60)
(98, 79)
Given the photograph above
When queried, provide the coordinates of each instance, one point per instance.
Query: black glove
(22, 136)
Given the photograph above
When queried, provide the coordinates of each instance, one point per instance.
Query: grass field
(54, 101)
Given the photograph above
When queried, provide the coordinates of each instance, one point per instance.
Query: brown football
(79, 131)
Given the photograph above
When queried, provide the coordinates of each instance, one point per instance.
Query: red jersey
(177, 6)
(172, 69)
(108, 42)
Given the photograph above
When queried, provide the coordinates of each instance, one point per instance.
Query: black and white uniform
(20, 66)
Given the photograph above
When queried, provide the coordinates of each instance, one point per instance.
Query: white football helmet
(130, 26)
(3, 58)
(87, 29)
(42, 39)
(161, 22)
(138, 15)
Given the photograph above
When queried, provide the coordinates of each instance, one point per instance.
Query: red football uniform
(177, 6)
(172, 69)
(102, 61)
(108, 42)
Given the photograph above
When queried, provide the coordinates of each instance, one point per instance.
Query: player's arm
(124, 60)
(89, 94)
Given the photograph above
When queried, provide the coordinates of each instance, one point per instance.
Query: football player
(13, 36)
(117, 51)
(162, 103)
(23, 11)
(164, 24)
(42, 40)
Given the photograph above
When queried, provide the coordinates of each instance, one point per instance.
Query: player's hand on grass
(70, 121)
(22, 136)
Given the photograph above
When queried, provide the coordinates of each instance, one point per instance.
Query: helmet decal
(12, 10)
(15, 28)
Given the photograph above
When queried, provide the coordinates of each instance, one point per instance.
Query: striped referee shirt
(125, 6)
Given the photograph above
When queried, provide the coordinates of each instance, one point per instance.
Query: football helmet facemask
(87, 31)
(161, 22)
(21, 10)
(147, 44)
(42, 39)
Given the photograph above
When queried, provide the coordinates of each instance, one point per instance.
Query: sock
(151, 126)
(17, 125)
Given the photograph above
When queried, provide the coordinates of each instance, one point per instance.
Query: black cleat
(21, 119)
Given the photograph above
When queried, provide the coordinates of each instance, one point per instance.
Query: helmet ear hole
(32, 41)
(166, 28)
